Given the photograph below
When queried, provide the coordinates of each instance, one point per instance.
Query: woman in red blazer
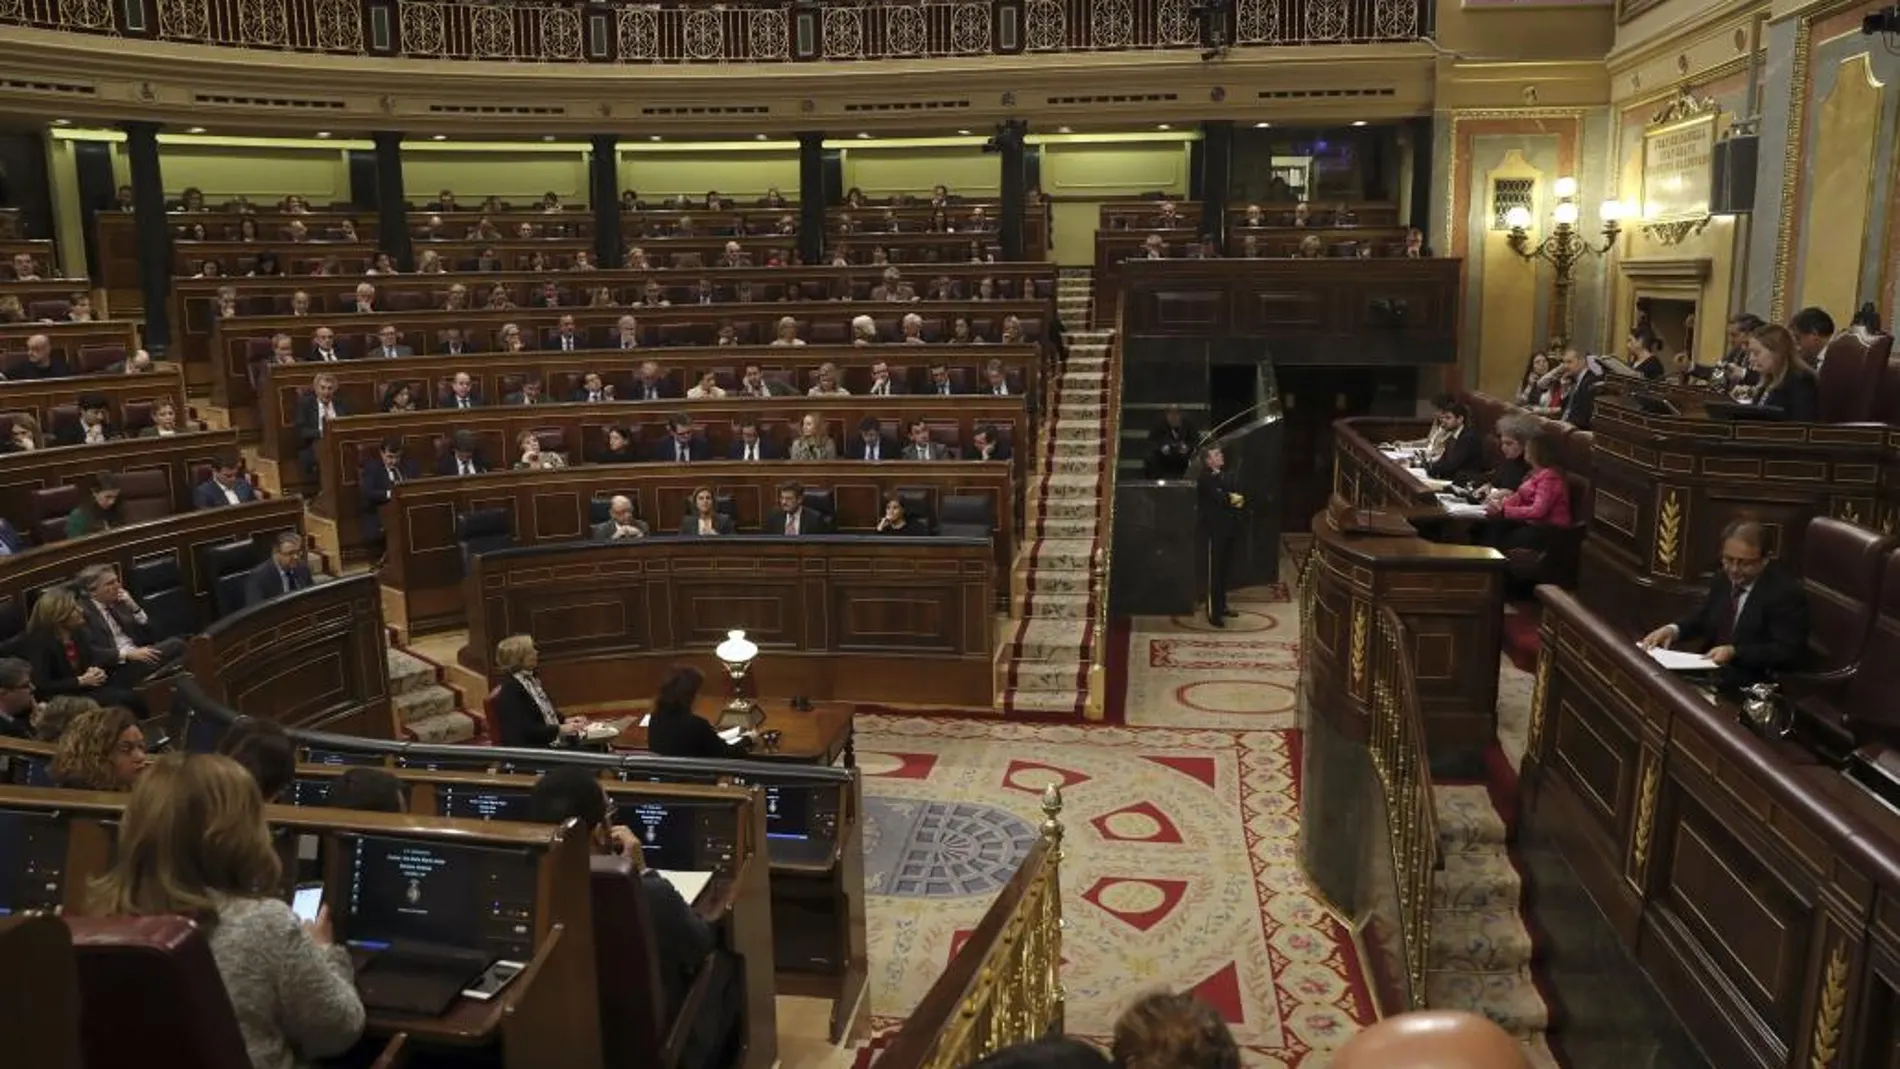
(1541, 502)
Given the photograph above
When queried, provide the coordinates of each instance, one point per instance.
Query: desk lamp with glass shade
(737, 653)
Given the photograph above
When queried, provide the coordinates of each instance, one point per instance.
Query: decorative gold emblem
(1361, 623)
(1677, 232)
(1684, 105)
(1890, 522)
(1646, 810)
(1830, 1009)
(1669, 532)
(1849, 514)
(1536, 733)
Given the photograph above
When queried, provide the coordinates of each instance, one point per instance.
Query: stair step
(1059, 606)
(1056, 553)
(1479, 940)
(422, 703)
(444, 728)
(1477, 879)
(1047, 639)
(1070, 508)
(1048, 676)
(1510, 999)
(1466, 818)
(1038, 701)
(407, 672)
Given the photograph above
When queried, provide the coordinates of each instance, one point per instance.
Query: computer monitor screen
(319, 755)
(28, 770)
(309, 790)
(673, 832)
(445, 762)
(411, 890)
(474, 802)
(787, 811)
(32, 861)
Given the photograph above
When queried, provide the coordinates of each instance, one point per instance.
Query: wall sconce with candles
(1563, 248)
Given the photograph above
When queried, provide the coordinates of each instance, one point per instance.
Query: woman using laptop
(1787, 382)
(194, 842)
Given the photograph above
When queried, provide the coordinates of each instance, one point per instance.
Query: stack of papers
(1427, 481)
(1458, 506)
(1400, 455)
(1677, 661)
(732, 734)
(690, 885)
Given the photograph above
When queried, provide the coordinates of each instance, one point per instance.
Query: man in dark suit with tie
(286, 572)
(652, 385)
(1222, 515)
(225, 487)
(921, 446)
(1580, 403)
(996, 380)
(1463, 456)
(940, 383)
(750, 443)
(323, 347)
(683, 443)
(883, 383)
(315, 410)
(566, 337)
(461, 393)
(457, 342)
(379, 478)
(117, 634)
(593, 390)
(1754, 620)
(870, 443)
(986, 444)
(793, 517)
(463, 458)
(389, 343)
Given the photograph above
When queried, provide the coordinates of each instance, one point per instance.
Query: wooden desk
(1143, 214)
(82, 344)
(496, 376)
(550, 507)
(821, 736)
(174, 459)
(130, 398)
(836, 617)
(1665, 486)
(1364, 476)
(1757, 890)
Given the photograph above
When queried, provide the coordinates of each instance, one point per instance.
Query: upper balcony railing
(743, 31)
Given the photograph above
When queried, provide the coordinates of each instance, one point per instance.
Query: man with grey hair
(118, 635)
(1754, 619)
(285, 572)
(16, 698)
(620, 523)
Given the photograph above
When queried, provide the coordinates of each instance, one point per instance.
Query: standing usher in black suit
(1222, 516)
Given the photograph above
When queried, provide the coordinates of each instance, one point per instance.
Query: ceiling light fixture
(656, 137)
(1064, 130)
(863, 136)
(62, 122)
(1163, 126)
(963, 133)
(547, 137)
(323, 134)
(1359, 122)
(440, 137)
(1262, 125)
(196, 130)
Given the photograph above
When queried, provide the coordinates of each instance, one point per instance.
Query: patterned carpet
(1180, 868)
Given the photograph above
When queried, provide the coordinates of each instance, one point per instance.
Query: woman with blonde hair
(534, 457)
(194, 842)
(812, 442)
(24, 436)
(55, 648)
(102, 750)
(524, 714)
(1787, 382)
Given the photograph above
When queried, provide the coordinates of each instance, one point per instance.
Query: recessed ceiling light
(62, 122)
(440, 137)
(863, 136)
(196, 130)
(763, 137)
(1262, 125)
(1163, 126)
(323, 133)
(963, 133)
(547, 137)
(1064, 130)
(656, 137)
(1359, 122)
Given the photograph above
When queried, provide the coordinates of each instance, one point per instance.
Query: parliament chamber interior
(926, 533)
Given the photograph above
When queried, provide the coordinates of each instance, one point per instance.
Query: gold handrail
(1004, 986)
(1103, 560)
(1397, 744)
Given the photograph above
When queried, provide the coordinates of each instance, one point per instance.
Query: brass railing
(1397, 743)
(741, 31)
(1102, 561)
(1004, 986)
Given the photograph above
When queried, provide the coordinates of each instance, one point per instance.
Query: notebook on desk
(415, 977)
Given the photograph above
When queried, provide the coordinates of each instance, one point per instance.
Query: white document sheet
(732, 734)
(1677, 661)
(688, 884)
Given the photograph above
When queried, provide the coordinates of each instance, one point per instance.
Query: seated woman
(533, 457)
(1523, 518)
(674, 731)
(101, 750)
(399, 397)
(620, 448)
(1787, 382)
(812, 442)
(24, 437)
(707, 386)
(895, 521)
(1513, 433)
(56, 648)
(524, 714)
(1644, 351)
(194, 842)
(705, 519)
(98, 510)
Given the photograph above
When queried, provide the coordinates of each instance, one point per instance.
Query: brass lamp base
(741, 713)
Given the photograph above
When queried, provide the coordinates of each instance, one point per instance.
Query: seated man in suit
(593, 389)
(529, 394)
(620, 523)
(225, 487)
(1583, 376)
(1462, 458)
(455, 341)
(389, 343)
(986, 444)
(683, 443)
(284, 572)
(566, 336)
(461, 393)
(750, 443)
(41, 361)
(10, 540)
(323, 347)
(379, 477)
(940, 381)
(463, 457)
(870, 443)
(793, 517)
(996, 380)
(94, 426)
(1754, 619)
(652, 384)
(315, 410)
(117, 634)
(920, 446)
(882, 384)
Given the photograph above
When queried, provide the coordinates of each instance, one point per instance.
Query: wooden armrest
(680, 1031)
(394, 1054)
